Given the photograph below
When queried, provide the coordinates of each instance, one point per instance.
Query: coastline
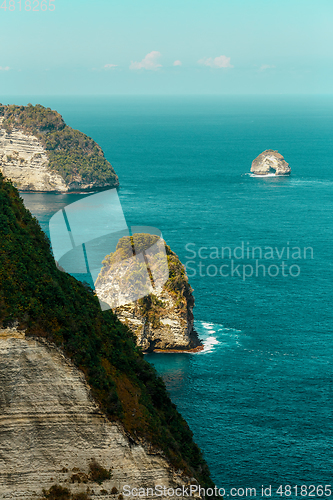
(167, 351)
(90, 191)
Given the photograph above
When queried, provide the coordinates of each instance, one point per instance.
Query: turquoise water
(259, 397)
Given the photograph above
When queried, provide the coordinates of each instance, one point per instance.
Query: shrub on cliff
(57, 492)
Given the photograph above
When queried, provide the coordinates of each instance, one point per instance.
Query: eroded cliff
(39, 152)
(52, 430)
(24, 160)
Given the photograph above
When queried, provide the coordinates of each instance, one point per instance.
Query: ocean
(259, 397)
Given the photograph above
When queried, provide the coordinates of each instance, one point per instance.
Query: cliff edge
(39, 152)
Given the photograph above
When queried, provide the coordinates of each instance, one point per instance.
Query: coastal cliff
(270, 162)
(80, 408)
(163, 319)
(52, 432)
(39, 152)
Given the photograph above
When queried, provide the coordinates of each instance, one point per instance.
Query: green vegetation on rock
(177, 284)
(38, 297)
(152, 308)
(71, 153)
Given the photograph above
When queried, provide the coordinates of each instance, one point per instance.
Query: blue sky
(168, 47)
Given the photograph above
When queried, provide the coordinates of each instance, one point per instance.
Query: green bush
(97, 473)
(57, 493)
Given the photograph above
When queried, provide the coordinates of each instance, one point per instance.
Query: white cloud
(148, 62)
(177, 63)
(6, 68)
(217, 62)
(263, 67)
(110, 66)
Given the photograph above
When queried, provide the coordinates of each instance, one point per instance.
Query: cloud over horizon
(110, 66)
(148, 62)
(263, 67)
(6, 68)
(177, 63)
(217, 62)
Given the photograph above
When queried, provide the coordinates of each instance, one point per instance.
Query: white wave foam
(209, 344)
(214, 334)
(209, 326)
(311, 182)
(266, 175)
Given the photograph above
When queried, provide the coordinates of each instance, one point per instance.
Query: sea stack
(270, 162)
(161, 320)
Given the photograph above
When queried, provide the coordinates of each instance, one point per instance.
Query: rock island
(162, 320)
(270, 162)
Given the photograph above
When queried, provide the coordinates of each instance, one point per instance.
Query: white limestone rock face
(270, 162)
(173, 331)
(24, 160)
(51, 428)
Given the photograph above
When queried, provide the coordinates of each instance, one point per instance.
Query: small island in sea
(40, 153)
(270, 162)
(162, 320)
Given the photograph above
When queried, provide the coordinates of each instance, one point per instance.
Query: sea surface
(259, 397)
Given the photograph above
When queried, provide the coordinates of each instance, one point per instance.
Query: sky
(159, 47)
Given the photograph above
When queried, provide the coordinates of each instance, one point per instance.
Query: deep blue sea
(259, 397)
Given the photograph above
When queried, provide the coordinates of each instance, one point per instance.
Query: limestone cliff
(79, 405)
(24, 160)
(39, 152)
(159, 324)
(163, 319)
(51, 429)
(269, 162)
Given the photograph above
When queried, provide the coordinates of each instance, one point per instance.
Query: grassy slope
(70, 151)
(52, 304)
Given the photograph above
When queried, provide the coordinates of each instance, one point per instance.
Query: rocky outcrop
(162, 319)
(51, 429)
(24, 161)
(39, 152)
(270, 162)
(162, 325)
